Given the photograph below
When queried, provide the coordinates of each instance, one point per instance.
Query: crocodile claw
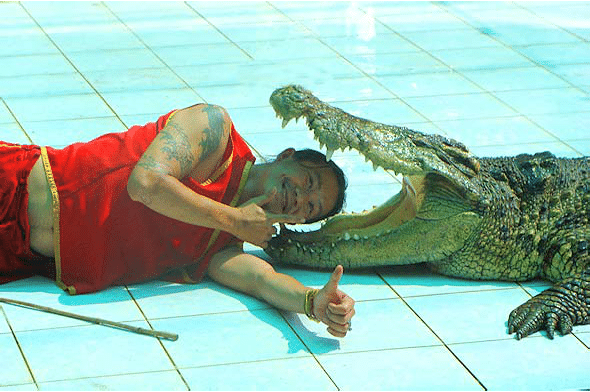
(548, 311)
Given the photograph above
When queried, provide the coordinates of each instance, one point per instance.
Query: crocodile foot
(558, 308)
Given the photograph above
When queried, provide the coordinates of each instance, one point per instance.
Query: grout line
(434, 333)
(22, 353)
(16, 120)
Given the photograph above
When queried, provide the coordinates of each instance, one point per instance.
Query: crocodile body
(510, 218)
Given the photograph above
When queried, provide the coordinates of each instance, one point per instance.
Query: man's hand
(333, 307)
(256, 225)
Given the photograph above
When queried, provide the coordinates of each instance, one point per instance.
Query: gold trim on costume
(245, 172)
(219, 170)
(56, 215)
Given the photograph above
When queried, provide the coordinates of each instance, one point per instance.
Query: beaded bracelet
(308, 306)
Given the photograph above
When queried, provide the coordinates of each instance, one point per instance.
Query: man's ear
(286, 154)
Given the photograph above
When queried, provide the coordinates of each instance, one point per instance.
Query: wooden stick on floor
(93, 320)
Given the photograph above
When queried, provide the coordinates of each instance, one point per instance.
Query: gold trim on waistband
(56, 220)
(219, 170)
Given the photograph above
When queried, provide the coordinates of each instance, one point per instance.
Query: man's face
(304, 189)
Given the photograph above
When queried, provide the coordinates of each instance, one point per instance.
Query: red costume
(104, 238)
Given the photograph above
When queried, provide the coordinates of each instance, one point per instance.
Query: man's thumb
(335, 278)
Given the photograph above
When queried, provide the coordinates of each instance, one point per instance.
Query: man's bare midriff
(40, 211)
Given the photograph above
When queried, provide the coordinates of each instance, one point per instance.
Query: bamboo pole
(93, 320)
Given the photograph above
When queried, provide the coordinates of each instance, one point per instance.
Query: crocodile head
(436, 170)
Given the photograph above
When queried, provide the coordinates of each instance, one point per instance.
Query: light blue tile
(19, 387)
(28, 86)
(136, 80)
(481, 58)
(373, 319)
(156, 381)
(200, 55)
(468, 317)
(419, 280)
(14, 369)
(187, 31)
(301, 10)
(150, 11)
(578, 75)
(359, 285)
(97, 36)
(546, 101)
(91, 351)
(423, 368)
(164, 299)
(287, 49)
(507, 363)
(457, 107)
(113, 304)
(230, 338)
(62, 107)
(495, 131)
(232, 13)
(12, 133)
(583, 146)
(421, 21)
(354, 24)
(566, 126)
(528, 34)
(251, 94)
(348, 90)
(387, 111)
(62, 133)
(428, 84)
(45, 64)
(25, 40)
(515, 79)
(277, 375)
(12, 10)
(151, 101)
(4, 327)
(379, 8)
(379, 44)
(262, 32)
(558, 54)
(450, 39)
(397, 63)
(5, 116)
(114, 60)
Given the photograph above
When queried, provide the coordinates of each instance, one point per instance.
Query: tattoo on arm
(212, 135)
(150, 163)
(177, 146)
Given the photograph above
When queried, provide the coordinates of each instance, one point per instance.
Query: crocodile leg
(560, 307)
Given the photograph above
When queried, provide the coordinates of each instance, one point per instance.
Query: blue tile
(12, 133)
(515, 79)
(155, 381)
(468, 317)
(236, 12)
(547, 101)
(386, 111)
(583, 146)
(532, 34)
(495, 131)
(558, 54)
(4, 327)
(301, 10)
(397, 63)
(276, 375)
(62, 133)
(230, 338)
(188, 31)
(578, 75)
(359, 285)
(246, 34)
(372, 319)
(421, 21)
(457, 107)
(451, 39)
(379, 44)
(31, 41)
(355, 25)
(151, 101)
(114, 60)
(419, 280)
(566, 126)
(194, 55)
(91, 351)
(423, 369)
(150, 11)
(62, 107)
(164, 299)
(559, 363)
(19, 387)
(28, 86)
(5, 116)
(428, 84)
(558, 148)
(12, 10)
(287, 49)
(43, 64)
(136, 80)
(98, 36)
(113, 304)
(481, 58)
(14, 368)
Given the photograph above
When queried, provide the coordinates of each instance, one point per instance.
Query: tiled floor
(504, 78)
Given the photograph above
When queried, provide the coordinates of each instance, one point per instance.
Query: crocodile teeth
(329, 154)
(285, 122)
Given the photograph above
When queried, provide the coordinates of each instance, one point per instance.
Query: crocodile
(501, 218)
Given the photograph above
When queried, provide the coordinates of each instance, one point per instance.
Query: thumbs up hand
(333, 307)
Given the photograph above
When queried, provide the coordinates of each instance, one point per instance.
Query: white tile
(423, 368)
(155, 381)
(275, 375)
(372, 319)
(14, 369)
(506, 364)
(90, 351)
(230, 338)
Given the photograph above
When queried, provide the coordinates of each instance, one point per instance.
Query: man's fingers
(261, 200)
(335, 278)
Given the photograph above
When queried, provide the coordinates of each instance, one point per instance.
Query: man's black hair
(319, 160)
